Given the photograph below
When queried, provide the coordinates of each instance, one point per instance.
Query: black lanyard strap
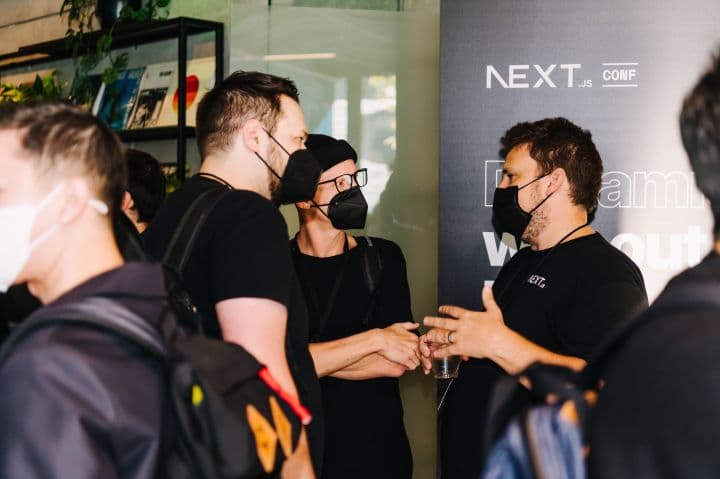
(216, 178)
(536, 268)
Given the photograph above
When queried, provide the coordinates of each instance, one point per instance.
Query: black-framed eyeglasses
(348, 180)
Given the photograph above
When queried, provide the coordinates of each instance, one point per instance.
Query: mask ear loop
(53, 229)
(272, 170)
(277, 142)
(265, 162)
(97, 205)
(315, 205)
(546, 198)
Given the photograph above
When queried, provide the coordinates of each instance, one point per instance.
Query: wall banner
(617, 68)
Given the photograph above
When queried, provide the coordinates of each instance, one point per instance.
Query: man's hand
(485, 335)
(471, 333)
(428, 347)
(400, 345)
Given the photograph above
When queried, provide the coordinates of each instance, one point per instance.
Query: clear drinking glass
(445, 368)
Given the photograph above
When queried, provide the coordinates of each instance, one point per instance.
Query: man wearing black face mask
(553, 302)
(251, 133)
(361, 341)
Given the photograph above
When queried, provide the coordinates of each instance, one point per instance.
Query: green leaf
(104, 43)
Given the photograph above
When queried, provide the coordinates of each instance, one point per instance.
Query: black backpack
(225, 420)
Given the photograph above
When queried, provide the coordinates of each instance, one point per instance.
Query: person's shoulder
(599, 253)
(387, 248)
(80, 358)
(692, 291)
(521, 256)
(705, 272)
(248, 206)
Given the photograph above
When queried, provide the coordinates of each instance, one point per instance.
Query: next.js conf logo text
(565, 75)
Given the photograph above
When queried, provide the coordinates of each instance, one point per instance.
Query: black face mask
(507, 214)
(301, 176)
(347, 210)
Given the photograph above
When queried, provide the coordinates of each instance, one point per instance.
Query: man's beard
(274, 183)
(539, 220)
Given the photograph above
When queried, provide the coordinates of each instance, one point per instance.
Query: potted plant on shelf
(81, 15)
(47, 87)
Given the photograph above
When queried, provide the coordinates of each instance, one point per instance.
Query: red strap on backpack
(300, 410)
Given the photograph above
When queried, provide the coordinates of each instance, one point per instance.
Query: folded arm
(351, 357)
(372, 366)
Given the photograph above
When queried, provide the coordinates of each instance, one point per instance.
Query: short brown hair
(60, 138)
(240, 97)
(559, 143)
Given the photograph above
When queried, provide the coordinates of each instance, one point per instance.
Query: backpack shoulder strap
(189, 228)
(372, 263)
(93, 312)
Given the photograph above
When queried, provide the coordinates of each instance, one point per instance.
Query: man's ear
(75, 197)
(304, 205)
(253, 135)
(127, 202)
(558, 178)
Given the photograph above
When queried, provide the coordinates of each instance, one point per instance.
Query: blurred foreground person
(658, 415)
(76, 401)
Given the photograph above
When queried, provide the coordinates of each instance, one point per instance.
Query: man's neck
(238, 178)
(321, 241)
(77, 264)
(556, 231)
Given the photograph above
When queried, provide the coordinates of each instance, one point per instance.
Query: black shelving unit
(133, 35)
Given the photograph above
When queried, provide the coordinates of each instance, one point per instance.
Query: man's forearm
(514, 354)
(372, 366)
(332, 356)
(299, 464)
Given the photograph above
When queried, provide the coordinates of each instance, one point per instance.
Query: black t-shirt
(243, 251)
(364, 430)
(657, 415)
(565, 299)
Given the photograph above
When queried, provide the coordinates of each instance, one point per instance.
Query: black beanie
(329, 151)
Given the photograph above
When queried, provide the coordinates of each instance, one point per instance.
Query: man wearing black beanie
(356, 290)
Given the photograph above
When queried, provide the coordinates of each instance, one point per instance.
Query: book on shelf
(200, 78)
(152, 93)
(118, 98)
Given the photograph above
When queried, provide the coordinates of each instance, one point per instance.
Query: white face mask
(15, 244)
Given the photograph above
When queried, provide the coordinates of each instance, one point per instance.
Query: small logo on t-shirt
(536, 280)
